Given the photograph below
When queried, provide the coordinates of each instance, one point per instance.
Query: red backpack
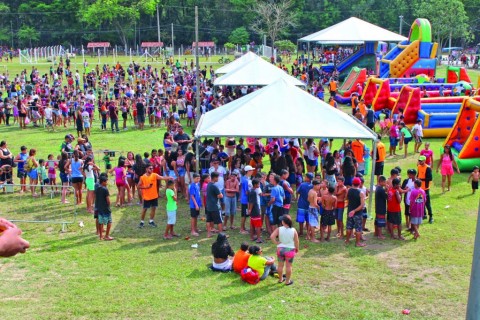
(250, 276)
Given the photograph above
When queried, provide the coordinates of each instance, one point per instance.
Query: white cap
(248, 168)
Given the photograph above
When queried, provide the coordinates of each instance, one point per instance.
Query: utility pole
(173, 46)
(473, 305)
(401, 21)
(158, 25)
(197, 66)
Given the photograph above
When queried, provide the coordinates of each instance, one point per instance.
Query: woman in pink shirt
(446, 162)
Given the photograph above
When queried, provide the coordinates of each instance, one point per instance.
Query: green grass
(72, 275)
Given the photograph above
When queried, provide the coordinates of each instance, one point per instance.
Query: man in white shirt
(49, 117)
(417, 131)
(220, 184)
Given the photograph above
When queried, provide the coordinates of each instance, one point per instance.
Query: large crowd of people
(233, 176)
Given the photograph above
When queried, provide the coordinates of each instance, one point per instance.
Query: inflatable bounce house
(356, 77)
(413, 56)
(457, 74)
(464, 137)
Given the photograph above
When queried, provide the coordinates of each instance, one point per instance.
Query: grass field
(72, 275)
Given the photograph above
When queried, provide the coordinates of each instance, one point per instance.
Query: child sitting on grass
(240, 260)
(102, 203)
(171, 194)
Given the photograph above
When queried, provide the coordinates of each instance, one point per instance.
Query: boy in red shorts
(394, 211)
(254, 211)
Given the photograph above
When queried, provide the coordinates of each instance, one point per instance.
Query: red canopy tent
(204, 44)
(151, 44)
(98, 45)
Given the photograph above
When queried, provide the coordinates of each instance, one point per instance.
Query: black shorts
(147, 204)
(214, 216)
(194, 213)
(21, 174)
(277, 212)
(379, 168)
(95, 214)
(394, 218)
(244, 210)
(77, 179)
(181, 112)
(141, 118)
(407, 210)
(124, 116)
(371, 125)
(474, 185)
(407, 140)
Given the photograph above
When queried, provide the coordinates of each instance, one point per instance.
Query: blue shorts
(181, 171)
(407, 140)
(291, 178)
(105, 218)
(339, 213)
(64, 177)
(355, 222)
(380, 221)
(33, 174)
(393, 142)
(171, 217)
(313, 217)
(364, 213)
(348, 181)
(302, 215)
(171, 173)
(312, 163)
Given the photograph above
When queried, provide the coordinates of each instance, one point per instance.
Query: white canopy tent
(235, 64)
(257, 72)
(282, 110)
(353, 29)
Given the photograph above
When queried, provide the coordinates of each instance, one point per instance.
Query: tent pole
(372, 175)
(473, 305)
(197, 154)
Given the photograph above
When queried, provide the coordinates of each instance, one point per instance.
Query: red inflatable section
(452, 76)
(377, 93)
(466, 130)
(431, 94)
(409, 102)
(464, 75)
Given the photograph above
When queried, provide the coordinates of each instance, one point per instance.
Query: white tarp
(353, 29)
(257, 72)
(280, 110)
(247, 57)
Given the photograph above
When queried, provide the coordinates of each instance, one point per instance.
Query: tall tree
(447, 17)
(121, 14)
(274, 18)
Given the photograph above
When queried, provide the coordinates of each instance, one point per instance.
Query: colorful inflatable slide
(437, 113)
(413, 56)
(364, 57)
(464, 138)
(457, 74)
(355, 77)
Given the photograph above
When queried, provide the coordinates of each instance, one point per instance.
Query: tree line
(127, 23)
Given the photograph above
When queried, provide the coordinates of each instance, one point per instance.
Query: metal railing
(18, 206)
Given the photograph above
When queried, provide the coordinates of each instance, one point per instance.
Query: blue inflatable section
(428, 86)
(440, 115)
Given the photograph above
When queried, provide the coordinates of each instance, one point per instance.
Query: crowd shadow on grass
(338, 246)
(68, 243)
